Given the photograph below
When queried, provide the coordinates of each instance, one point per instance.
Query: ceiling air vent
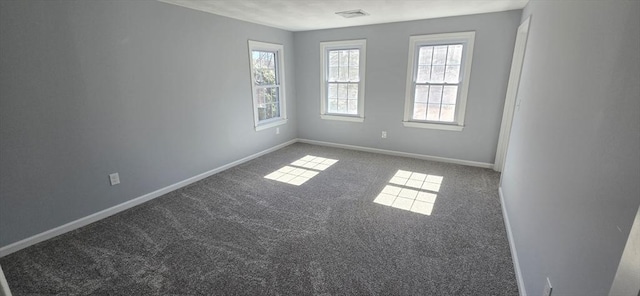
(352, 13)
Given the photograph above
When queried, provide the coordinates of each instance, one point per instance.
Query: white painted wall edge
(4, 286)
(19, 245)
(514, 253)
(398, 153)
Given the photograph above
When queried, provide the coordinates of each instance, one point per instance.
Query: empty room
(307, 147)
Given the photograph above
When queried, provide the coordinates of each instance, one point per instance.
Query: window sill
(270, 124)
(444, 127)
(342, 118)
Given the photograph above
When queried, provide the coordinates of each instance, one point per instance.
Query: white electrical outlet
(384, 134)
(114, 179)
(277, 130)
(547, 288)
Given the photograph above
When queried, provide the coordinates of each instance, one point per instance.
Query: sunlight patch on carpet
(411, 191)
(301, 170)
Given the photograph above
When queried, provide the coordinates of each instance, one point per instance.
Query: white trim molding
(415, 42)
(14, 247)
(399, 153)
(4, 286)
(444, 127)
(325, 47)
(40, 237)
(512, 94)
(278, 51)
(512, 246)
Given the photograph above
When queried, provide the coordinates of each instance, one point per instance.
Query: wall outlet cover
(114, 179)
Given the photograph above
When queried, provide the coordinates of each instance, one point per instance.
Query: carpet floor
(366, 224)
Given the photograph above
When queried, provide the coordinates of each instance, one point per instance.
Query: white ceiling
(303, 15)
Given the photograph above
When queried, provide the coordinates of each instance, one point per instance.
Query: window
(267, 84)
(342, 94)
(438, 80)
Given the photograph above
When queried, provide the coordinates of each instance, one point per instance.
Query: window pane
(342, 106)
(352, 91)
(437, 74)
(268, 102)
(423, 74)
(451, 75)
(334, 59)
(273, 111)
(439, 55)
(344, 65)
(421, 94)
(342, 91)
(435, 94)
(332, 92)
(433, 112)
(264, 67)
(343, 79)
(354, 57)
(344, 58)
(424, 55)
(354, 74)
(419, 111)
(352, 107)
(447, 113)
(449, 95)
(343, 74)
(455, 54)
(260, 97)
(333, 105)
(273, 95)
(333, 73)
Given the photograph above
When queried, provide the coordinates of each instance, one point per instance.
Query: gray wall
(156, 92)
(386, 72)
(573, 166)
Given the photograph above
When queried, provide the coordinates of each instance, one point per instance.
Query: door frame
(512, 93)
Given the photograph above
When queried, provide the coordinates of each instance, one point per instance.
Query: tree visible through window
(267, 84)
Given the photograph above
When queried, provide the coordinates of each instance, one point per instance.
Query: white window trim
(279, 50)
(360, 44)
(467, 38)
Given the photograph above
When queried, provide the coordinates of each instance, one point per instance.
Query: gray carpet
(237, 233)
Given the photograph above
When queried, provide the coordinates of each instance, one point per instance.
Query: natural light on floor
(301, 170)
(411, 191)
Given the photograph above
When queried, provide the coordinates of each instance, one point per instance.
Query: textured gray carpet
(237, 233)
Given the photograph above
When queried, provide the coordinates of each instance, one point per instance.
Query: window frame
(327, 46)
(278, 49)
(415, 42)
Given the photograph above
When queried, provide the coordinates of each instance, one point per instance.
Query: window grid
(343, 81)
(437, 80)
(267, 84)
(268, 89)
(435, 103)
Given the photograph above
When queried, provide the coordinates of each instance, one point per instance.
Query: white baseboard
(4, 286)
(514, 253)
(14, 247)
(398, 153)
